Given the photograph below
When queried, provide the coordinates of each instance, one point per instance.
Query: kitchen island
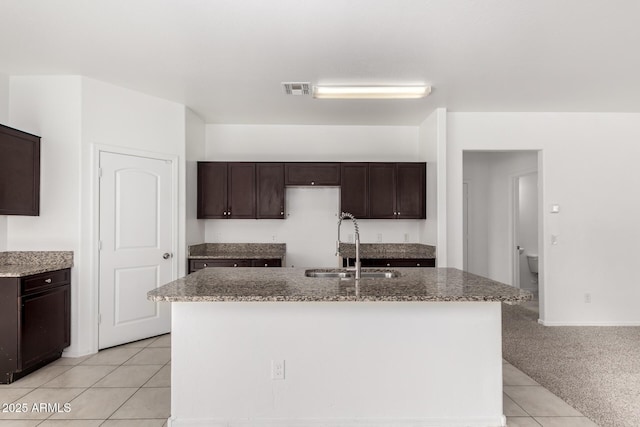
(272, 347)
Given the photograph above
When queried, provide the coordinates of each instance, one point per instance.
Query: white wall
(50, 107)
(311, 143)
(4, 119)
(588, 165)
(195, 150)
(490, 178)
(428, 152)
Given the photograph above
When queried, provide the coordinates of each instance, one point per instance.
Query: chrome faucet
(357, 267)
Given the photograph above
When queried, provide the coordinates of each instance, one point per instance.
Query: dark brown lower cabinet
(35, 322)
(391, 262)
(199, 264)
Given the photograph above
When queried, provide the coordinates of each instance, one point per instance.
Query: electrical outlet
(406, 237)
(273, 238)
(587, 298)
(277, 369)
(379, 237)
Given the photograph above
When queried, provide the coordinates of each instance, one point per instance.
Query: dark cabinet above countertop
(257, 189)
(19, 172)
(384, 190)
(308, 173)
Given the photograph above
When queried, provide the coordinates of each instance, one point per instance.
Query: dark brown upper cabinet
(270, 190)
(397, 190)
(411, 191)
(323, 173)
(226, 190)
(354, 189)
(19, 172)
(382, 188)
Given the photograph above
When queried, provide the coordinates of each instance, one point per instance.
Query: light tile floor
(130, 385)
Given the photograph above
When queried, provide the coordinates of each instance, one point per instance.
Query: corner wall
(195, 150)
(49, 106)
(4, 119)
(588, 163)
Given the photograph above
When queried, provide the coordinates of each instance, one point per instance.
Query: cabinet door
(45, 324)
(270, 191)
(411, 191)
(312, 174)
(19, 172)
(382, 190)
(354, 189)
(241, 191)
(212, 190)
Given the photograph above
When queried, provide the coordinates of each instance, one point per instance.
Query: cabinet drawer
(45, 280)
(312, 174)
(392, 262)
(204, 263)
(266, 263)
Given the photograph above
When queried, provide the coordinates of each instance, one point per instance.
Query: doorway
(137, 240)
(493, 183)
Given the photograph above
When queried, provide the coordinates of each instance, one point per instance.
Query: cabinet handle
(229, 212)
(418, 264)
(224, 213)
(398, 213)
(266, 265)
(204, 265)
(395, 213)
(313, 183)
(235, 265)
(282, 213)
(388, 265)
(47, 281)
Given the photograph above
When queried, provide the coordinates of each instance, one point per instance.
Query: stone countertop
(388, 250)
(27, 263)
(238, 250)
(290, 284)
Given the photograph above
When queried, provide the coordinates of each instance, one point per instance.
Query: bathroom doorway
(494, 182)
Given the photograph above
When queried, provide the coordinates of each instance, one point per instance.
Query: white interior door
(136, 246)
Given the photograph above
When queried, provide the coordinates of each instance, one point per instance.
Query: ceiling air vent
(296, 88)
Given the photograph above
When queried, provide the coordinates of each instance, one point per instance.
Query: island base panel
(345, 363)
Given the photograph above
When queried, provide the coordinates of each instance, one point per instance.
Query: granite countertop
(291, 284)
(26, 263)
(388, 250)
(238, 250)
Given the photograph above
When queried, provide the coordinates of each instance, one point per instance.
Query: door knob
(166, 255)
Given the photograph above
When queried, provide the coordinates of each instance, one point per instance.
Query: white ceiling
(225, 59)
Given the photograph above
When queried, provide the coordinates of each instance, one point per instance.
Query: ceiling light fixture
(370, 92)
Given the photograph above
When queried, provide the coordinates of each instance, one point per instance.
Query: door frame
(97, 149)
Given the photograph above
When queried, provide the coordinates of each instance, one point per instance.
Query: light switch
(555, 208)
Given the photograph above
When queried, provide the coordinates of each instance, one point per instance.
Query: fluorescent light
(370, 92)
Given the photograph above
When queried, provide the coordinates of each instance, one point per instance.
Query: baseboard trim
(500, 421)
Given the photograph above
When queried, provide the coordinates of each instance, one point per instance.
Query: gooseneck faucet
(357, 267)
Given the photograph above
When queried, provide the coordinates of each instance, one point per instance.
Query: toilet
(532, 260)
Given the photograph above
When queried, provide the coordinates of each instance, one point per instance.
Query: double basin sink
(342, 273)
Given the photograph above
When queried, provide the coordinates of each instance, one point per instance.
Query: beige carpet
(594, 369)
